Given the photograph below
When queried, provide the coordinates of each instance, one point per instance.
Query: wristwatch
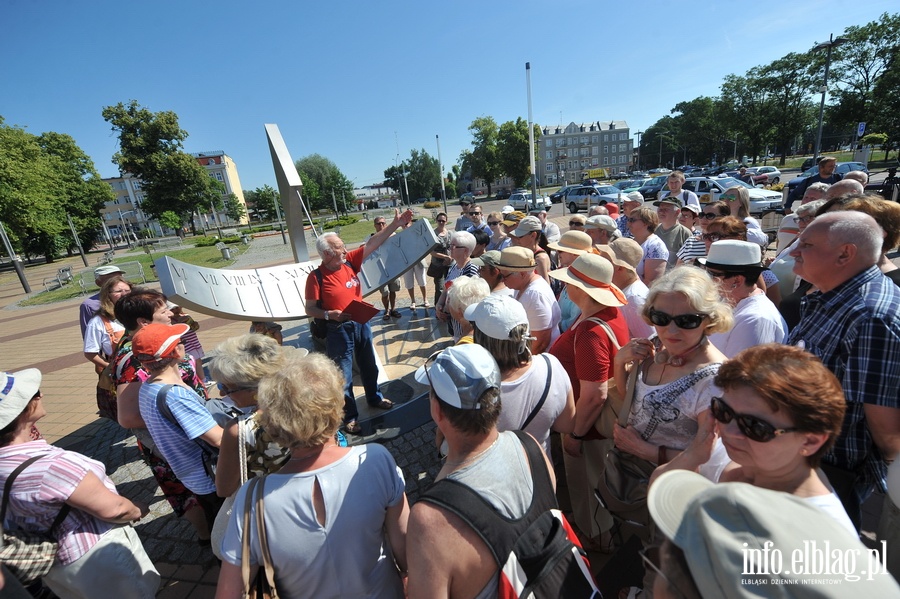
(326, 315)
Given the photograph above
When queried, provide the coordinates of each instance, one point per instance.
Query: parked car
(523, 201)
(807, 164)
(842, 168)
(585, 196)
(468, 196)
(557, 197)
(635, 184)
(653, 186)
(766, 175)
(503, 194)
(708, 189)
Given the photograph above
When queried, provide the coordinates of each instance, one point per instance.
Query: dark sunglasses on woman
(682, 321)
(755, 429)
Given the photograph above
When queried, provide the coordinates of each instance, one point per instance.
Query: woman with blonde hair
(103, 331)
(738, 200)
(677, 367)
(499, 238)
(642, 222)
(324, 496)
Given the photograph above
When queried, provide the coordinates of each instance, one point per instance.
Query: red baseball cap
(157, 341)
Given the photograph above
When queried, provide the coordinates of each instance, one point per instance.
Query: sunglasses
(709, 215)
(682, 321)
(730, 198)
(751, 427)
(634, 219)
(713, 236)
(493, 223)
(227, 391)
(721, 275)
(442, 220)
(575, 223)
(474, 214)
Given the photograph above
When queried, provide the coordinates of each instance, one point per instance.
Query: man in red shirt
(346, 338)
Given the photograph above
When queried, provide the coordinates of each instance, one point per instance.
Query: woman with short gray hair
(462, 243)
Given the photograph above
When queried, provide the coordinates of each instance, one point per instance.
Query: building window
(549, 168)
(595, 151)
(136, 185)
(220, 177)
(595, 161)
(549, 154)
(549, 143)
(605, 149)
(623, 148)
(584, 139)
(569, 165)
(623, 136)
(606, 137)
(605, 160)
(595, 139)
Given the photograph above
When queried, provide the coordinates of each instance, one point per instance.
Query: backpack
(538, 554)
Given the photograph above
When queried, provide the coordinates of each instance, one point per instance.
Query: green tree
(747, 106)
(42, 179)
(697, 130)
(261, 203)
(170, 220)
(658, 141)
(423, 175)
(150, 148)
(234, 209)
(483, 158)
(886, 104)
(512, 150)
(321, 176)
(789, 81)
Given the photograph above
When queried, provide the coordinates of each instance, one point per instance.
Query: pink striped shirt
(39, 492)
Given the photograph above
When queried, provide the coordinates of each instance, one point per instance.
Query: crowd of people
(754, 403)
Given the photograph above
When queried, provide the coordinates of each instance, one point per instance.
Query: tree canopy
(321, 177)
(150, 148)
(42, 180)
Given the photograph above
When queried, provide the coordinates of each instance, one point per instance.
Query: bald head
(860, 176)
(851, 228)
(844, 187)
(598, 210)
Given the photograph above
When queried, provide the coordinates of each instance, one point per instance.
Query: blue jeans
(344, 341)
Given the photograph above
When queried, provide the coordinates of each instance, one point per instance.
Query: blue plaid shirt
(855, 330)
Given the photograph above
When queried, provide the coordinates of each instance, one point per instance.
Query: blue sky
(354, 80)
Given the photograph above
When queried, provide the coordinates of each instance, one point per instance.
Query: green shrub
(205, 241)
(341, 222)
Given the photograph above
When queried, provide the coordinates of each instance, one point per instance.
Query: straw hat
(593, 274)
(573, 242)
(622, 252)
(516, 259)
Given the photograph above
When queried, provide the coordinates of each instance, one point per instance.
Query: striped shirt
(40, 491)
(176, 443)
(855, 330)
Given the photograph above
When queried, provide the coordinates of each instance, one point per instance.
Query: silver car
(708, 189)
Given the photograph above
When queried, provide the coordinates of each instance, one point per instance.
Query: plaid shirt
(855, 330)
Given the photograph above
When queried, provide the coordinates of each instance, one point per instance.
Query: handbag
(221, 523)
(614, 406)
(263, 586)
(28, 555)
(437, 269)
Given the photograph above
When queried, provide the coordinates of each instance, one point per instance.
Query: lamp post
(829, 45)
(639, 133)
(661, 134)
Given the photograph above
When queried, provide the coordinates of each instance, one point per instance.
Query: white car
(523, 201)
(708, 189)
(772, 175)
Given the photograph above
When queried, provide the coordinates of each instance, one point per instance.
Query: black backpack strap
(163, 407)
(540, 404)
(318, 273)
(498, 532)
(7, 489)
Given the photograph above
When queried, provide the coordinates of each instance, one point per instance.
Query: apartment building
(568, 154)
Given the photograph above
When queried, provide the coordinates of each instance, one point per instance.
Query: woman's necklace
(666, 359)
(471, 458)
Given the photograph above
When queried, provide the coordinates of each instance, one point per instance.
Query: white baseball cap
(497, 315)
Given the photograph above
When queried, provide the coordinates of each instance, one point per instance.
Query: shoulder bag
(28, 555)
(224, 515)
(263, 586)
(616, 397)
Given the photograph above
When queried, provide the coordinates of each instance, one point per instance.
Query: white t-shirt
(667, 414)
(687, 196)
(755, 233)
(756, 321)
(636, 294)
(96, 338)
(519, 398)
(541, 306)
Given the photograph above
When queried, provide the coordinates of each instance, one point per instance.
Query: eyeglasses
(634, 219)
(751, 427)
(457, 247)
(474, 214)
(712, 236)
(379, 223)
(682, 321)
(227, 391)
(721, 275)
(575, 223)
(493, 223)
(441, 221)
(709, 215)
(806, 219)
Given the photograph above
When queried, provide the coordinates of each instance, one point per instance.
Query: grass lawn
(201, 256)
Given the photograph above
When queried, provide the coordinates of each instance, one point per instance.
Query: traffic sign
(860, 129)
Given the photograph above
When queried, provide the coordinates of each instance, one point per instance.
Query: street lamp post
(639, 133)
(829, 45)
(661, 134)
